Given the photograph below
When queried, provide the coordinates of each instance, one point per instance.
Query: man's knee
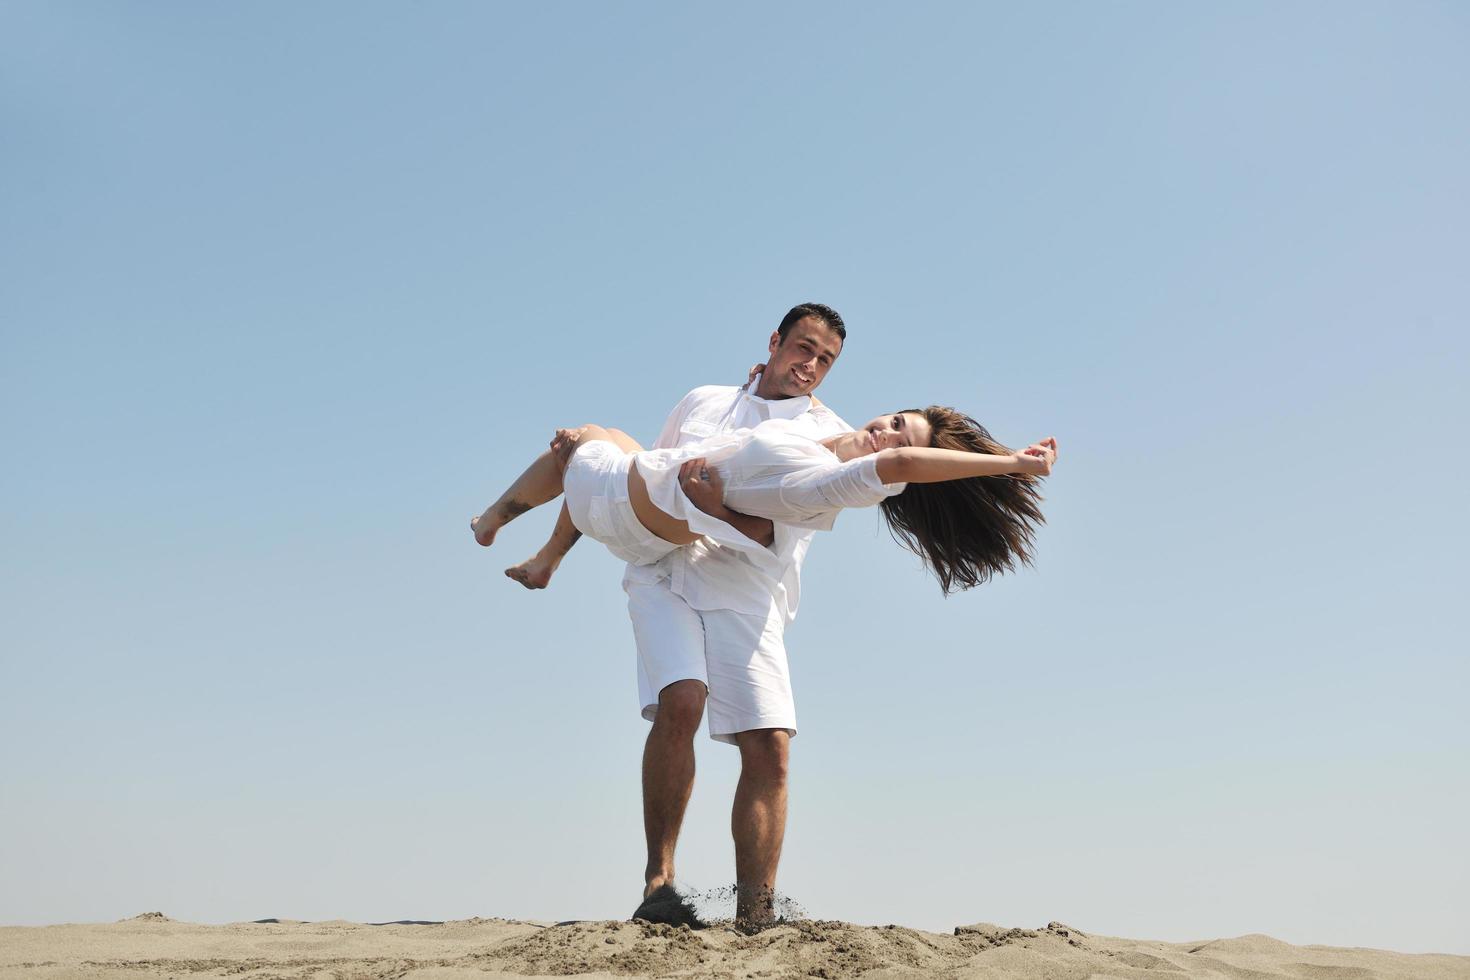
(680, 707)
(765, 752)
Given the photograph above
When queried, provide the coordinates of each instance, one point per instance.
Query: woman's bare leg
(618, 437)
(535, 572)
(541, 482)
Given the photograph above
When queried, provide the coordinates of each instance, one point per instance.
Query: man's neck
(762, 390)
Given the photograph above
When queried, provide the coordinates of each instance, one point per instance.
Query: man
(709, 628)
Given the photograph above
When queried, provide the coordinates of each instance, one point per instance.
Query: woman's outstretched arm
(916, 464)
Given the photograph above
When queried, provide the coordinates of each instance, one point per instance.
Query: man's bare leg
(668, 776)
(535, 572)
(758, 821)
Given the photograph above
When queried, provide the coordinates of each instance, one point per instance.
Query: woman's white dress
(769, 471)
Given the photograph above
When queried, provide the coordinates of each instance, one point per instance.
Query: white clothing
(693, 611)
(740, 659)
(770, 471)
(706, 574)
(596, 488)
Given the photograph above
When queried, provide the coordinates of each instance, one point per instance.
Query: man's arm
(757, 529)
(706, 490)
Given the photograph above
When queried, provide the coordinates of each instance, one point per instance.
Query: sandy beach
(153, 945)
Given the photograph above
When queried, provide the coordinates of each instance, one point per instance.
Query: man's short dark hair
(816, 310)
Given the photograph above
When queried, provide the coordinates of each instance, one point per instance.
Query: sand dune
(153, 945)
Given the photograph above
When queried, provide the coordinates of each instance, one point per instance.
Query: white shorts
(596, 488)
(740, 659)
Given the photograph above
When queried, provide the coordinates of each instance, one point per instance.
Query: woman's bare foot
(496, 516)
(485, 527)
(535, 572)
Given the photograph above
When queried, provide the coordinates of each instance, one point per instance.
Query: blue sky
(288, 292)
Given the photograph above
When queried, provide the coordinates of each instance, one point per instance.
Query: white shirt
(711, 576)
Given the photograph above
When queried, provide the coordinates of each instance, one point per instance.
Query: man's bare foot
(534, 573)
(664, 904)
(755, 907)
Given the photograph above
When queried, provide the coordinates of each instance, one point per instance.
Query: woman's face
(886, 432)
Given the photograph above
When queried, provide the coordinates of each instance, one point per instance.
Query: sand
(154, 946)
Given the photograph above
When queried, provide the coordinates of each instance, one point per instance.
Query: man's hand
(564, 443)
(706, 490)
(565, 436)
(703, 486)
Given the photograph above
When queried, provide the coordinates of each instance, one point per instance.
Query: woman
(965, 504)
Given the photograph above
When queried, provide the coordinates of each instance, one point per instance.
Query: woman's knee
(585, 432)
(624, 441)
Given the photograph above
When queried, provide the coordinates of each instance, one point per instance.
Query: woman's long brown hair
(966, 530)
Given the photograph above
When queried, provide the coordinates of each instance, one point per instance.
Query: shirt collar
(778, 408)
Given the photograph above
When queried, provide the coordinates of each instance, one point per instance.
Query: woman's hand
(1038, 458)
(703, 486)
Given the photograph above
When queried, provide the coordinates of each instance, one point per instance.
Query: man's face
(798, 365)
